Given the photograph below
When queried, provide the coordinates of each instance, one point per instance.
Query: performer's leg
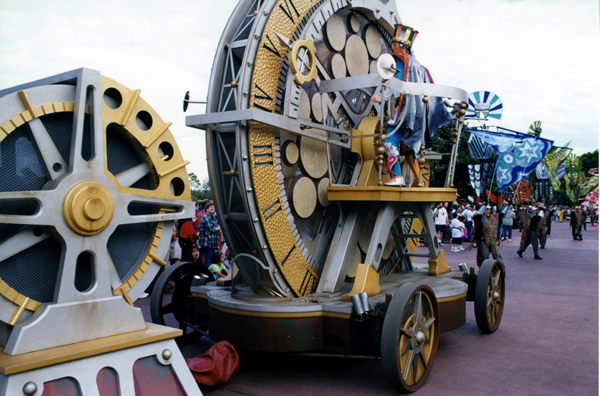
(534, 244)
(496, 254)
(391, 145)
(412, 164)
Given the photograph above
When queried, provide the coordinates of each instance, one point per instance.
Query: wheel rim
(410, 337)
(489, 296)
(495, 297)
(415, 344)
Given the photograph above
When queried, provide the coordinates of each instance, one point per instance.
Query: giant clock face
(270, 184)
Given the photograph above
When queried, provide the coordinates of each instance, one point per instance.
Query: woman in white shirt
(441, 221)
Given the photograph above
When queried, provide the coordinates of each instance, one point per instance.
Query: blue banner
(517, 154)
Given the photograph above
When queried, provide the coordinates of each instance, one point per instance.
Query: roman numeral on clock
(307, 283)
(287, 6)
(272, 48)
(263, 155)
(271, 209)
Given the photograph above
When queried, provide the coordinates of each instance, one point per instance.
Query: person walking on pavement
(488, 238)
(507, 224)
(576, 224)
(530, 233)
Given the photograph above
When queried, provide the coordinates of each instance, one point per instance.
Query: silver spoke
(411, 356)
(88, 93)
(113, 276)
(419, 308)
(132, 175)
(122, 202)
(55, 165)
(41, 217)
(428, 324)
(22, 240)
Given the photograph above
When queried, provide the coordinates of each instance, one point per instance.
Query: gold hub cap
(88, 208)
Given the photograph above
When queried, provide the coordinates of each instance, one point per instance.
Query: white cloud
(540, 57)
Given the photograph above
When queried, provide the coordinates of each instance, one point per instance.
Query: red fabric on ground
(215, 366)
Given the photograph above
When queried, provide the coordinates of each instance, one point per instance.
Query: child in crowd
(217, 268)
(457, 231)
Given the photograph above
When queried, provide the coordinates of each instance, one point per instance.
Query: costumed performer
(488, 236)
(530, 234)
(405, 127)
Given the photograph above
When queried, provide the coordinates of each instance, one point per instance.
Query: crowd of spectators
(199, 240)
(534, 221)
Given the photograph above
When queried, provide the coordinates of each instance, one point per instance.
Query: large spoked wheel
(410, 337)
(164, 306)
(489, 296)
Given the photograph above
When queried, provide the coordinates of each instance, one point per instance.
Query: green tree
(200, 189)
(442, 143)
(588, 161)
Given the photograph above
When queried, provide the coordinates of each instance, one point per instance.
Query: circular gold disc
(322, 192)
(88, 208)
(291, 153)
(313, 155)
(356, 56)
(373, 41)
(338, 66)
(315, 105)
(304, 104)
(304, 197)
(353, 23)
(335, 33)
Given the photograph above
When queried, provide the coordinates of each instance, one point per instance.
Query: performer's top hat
(405, 35)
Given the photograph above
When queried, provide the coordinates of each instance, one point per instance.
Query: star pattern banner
(517, 154)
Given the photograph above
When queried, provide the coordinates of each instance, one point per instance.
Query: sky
(540, 57)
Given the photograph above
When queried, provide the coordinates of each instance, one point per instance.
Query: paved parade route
(547, 343)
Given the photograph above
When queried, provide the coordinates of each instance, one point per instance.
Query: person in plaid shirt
(208, 236)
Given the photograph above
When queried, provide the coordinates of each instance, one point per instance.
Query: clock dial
(270, 183)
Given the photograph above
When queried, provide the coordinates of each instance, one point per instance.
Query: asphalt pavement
(547, 342)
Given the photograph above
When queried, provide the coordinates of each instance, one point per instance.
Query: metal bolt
(167, 354)
(495, 295)
(256, 219)
(249, 189)
(245, 157)
(264, 247)
(420, 337)
(29, 388)
(245, 93)
(256, 36)
(249, 64)
(266, 13)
